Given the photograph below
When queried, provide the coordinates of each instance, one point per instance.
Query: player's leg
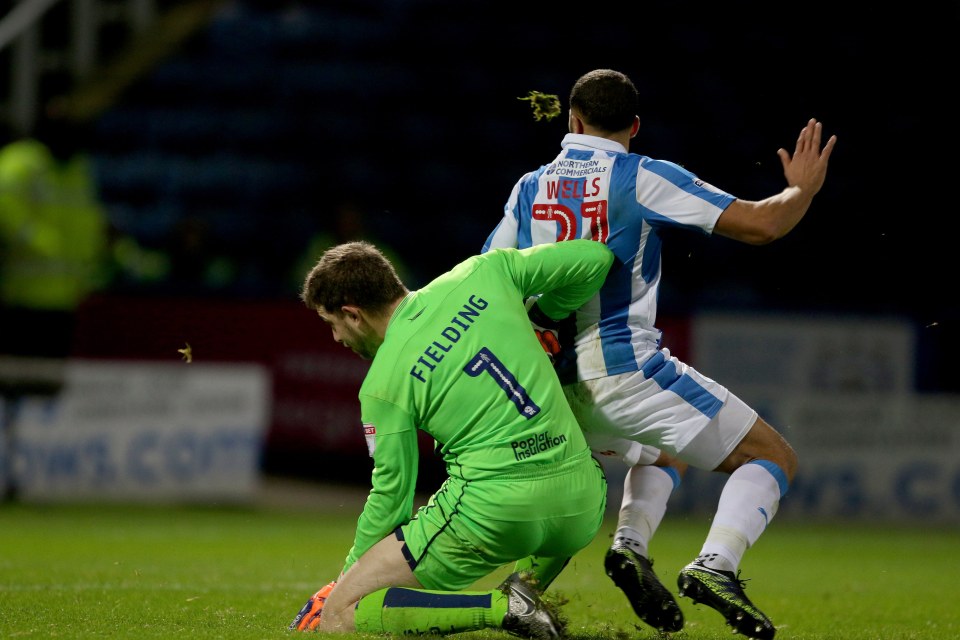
(761, 468)
(646, 489)
(700, 422)
(608, 409)
(381, 567)
(647, 486)
(614, 413)
(380, 594)
(410, 582)
(762, 442)
(761, 465)
(540, 571)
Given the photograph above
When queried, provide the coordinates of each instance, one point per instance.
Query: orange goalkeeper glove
(546, 329)
(309, 616)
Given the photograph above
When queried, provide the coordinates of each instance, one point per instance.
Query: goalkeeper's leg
(410, 582)
(368, 600)
(540, 571)
(513, 607)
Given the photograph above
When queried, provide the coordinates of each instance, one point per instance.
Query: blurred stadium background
(228, 142)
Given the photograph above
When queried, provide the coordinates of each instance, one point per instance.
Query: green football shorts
(471, 528)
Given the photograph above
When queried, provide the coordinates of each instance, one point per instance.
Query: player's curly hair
(605, 99)
(352, 273)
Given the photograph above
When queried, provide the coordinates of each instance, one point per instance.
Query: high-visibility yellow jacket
(53, 229)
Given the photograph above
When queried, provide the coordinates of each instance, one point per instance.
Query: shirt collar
(400, 308)
(591, 142)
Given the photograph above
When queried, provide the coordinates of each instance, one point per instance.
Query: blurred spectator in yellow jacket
(56, 242)
(53, 238)
(54, 228)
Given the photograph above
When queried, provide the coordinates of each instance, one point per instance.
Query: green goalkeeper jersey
(461, 362)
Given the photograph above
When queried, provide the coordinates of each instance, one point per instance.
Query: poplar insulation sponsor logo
(523, 449)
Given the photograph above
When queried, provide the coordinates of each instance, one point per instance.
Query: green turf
(238, 573)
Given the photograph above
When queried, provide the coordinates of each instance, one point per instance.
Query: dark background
(235, 152)
(243, 144)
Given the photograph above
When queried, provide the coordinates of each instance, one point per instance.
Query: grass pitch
(242, 573)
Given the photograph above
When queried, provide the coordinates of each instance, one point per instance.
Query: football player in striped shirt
(627, 390)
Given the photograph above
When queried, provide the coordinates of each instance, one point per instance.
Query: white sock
(646, 489)
(747, 504)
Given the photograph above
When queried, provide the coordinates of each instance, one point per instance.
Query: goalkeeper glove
(309, 616)
(546, 329)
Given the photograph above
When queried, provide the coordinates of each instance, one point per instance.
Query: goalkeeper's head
(354, 288)
(604, 102)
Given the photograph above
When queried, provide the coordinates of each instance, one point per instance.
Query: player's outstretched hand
(309, 616)
(807, 168)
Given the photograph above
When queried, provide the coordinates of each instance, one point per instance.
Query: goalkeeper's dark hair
(605, 99)
(353, 273)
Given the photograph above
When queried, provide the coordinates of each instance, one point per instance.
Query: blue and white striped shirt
(596, 189)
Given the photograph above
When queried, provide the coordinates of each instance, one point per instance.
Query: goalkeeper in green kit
(459, 360)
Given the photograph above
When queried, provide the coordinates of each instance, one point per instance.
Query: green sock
(544, 569)
(399, 611)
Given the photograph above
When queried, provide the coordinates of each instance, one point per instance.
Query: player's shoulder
(628, 163)
(653, 164)
(496, 263)
(632, 158)
(533, 176)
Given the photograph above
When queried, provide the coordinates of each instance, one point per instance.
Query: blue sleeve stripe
(687, 181)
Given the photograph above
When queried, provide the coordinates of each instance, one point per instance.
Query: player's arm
(763, 221)
(396, 458)
(566, 274)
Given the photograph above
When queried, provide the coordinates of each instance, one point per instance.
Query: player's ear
(635, 127)
(574, 124)
(352, 313)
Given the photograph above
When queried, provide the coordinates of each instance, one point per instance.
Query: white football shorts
(666, 405)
